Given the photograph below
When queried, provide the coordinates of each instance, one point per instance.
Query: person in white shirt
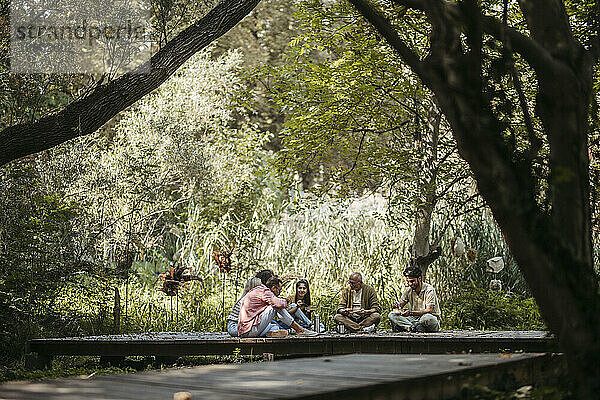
(418, 309)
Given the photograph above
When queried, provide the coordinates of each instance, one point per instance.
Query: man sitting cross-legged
(260, 306)
(423, 312)
(359, 308)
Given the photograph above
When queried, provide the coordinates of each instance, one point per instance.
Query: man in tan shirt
(422, 313)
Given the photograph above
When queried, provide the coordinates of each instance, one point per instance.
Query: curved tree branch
(387, 30)
(87, 114)
(531, 51)
(535, 54)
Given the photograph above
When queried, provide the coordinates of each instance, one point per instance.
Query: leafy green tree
(38, 253)
(23, 97)
(182, 155)
(351, 113)
(263, 37)
(545, 217)
(181, 172)
(104, 100)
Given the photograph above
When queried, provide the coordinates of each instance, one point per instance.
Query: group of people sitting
(261, 312)
(254, 314)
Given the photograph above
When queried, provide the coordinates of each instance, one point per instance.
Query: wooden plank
(359, 376)
(192, 343)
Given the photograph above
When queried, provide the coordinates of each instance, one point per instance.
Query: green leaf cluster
(482, 309)
(341, 100)
(358, 120)
(37, 252)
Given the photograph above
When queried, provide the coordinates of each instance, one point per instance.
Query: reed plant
(319, 240)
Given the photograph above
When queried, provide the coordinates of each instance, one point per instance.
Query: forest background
(293, 140)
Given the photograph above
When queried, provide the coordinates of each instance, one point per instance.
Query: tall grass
(479, 232)
(322, 241)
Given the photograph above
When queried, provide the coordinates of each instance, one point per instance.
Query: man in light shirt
(422, 312)
(258, 308)
(358, 308)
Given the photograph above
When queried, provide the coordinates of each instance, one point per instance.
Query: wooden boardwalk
(356, 376)
(176, 344)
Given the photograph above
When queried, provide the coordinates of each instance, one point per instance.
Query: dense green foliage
(188, 170)
(36, 254)
(481, 309)
(155, 183)
(160, 182)
(357, 120)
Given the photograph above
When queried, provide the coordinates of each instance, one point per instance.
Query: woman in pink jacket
(258, 309)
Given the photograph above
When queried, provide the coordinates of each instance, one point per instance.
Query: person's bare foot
(277, 334)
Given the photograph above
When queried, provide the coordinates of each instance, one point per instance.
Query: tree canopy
(360, 118)
(104, 100)
(545, 219)
(515, 81)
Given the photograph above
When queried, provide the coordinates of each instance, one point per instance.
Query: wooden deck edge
(542, 369)
(292, 347)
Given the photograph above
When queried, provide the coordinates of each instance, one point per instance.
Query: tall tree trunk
(422, 231)
(554, 256)
(552, 246)
(422, 253)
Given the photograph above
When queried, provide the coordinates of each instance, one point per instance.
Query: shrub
(482, 309)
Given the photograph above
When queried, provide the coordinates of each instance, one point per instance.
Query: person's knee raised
(427, 318)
